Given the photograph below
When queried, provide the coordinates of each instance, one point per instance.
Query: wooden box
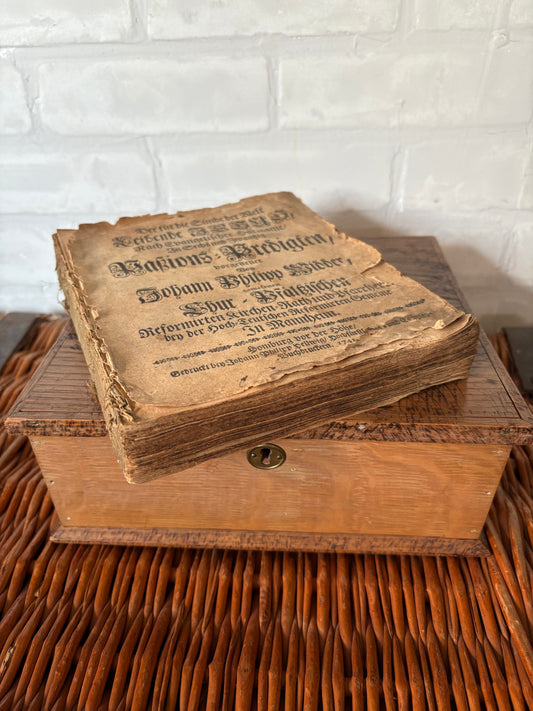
(415, 477)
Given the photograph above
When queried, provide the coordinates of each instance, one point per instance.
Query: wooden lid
(485, 408)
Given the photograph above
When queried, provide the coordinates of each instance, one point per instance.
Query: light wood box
(415, 477)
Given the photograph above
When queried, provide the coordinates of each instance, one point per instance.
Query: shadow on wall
(493, 295)
(360, 226)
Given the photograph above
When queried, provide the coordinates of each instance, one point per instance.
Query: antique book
(212, 330)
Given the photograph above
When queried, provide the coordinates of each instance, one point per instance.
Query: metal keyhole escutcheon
(266, 456)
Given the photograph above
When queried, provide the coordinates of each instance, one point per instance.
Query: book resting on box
(212, 330)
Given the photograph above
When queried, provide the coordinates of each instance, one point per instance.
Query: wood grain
(485, 408)
(324, 488)
(266, 541)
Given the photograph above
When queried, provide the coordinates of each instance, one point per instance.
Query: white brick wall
(76, 180)
(454, 13)
(448, 84)
(153, 96)
(482, 173)
(382, 89)
(325, 175)
(14, 113)
(521, 13)
(174, 19)
(387, 116)
(29, 23)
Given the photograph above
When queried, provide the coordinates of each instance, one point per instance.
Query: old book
(217, 329)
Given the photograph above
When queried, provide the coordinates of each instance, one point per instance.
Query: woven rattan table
(111, 627)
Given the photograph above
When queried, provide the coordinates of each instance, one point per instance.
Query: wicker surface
(93, 627)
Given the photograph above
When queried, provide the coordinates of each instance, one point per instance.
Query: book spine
(116, 406)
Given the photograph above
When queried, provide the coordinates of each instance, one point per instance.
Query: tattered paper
(198, 307)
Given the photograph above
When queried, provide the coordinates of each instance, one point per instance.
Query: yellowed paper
(198, 307)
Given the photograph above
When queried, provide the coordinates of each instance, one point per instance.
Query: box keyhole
(266, 456)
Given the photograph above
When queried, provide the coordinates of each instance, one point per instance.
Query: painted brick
(521, 13)
(27, 277)
(33, 181)
(38, 295)
(467, 174)
(431, 15)
(474, 248)
(14, 112)
(507, 96)
(486, 256)
(169, 19)
(30, 22)
(328, 179)
(154, 96)
(384, 89)
(475, 14)
(520, 257)
(526, 198)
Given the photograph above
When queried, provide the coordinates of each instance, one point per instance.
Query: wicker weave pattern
(100, 627)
